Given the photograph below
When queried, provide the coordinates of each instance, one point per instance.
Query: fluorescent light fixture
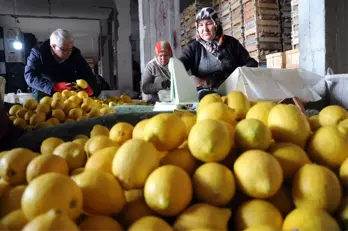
(18, 45)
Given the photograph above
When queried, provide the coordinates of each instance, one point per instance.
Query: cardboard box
(292, 58)
(276, 60)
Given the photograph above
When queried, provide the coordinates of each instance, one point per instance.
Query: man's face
(63, 52)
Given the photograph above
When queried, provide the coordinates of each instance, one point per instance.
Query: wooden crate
(276, 60)
(292, 59)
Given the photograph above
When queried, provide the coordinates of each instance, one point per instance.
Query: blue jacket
(42, 71)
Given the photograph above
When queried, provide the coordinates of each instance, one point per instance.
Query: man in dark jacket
(55, 64)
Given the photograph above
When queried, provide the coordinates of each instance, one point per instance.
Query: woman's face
(163, 58)
(206, 29)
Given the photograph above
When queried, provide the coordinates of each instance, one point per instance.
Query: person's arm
(187, 57)
(33, 75)
(85, 72)
(4, 120)
(244, 57)
(148, 84)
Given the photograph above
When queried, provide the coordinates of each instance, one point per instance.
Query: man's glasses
(65, 50)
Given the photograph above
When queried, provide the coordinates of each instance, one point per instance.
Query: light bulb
(18, 45)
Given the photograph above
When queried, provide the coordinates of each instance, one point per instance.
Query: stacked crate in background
(262, 31)
(188, 18)
(285, 12)
(295, 24)
(225, 16)
(237, 20)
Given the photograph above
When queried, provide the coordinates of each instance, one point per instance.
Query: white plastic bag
(273, 84)
(18, 98)
(22, 97)
(164, 96)
(337, 88)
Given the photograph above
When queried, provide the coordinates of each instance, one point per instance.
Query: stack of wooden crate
(285, 20)
(295, 24)
(237, 20)
(188, 19)
(262, 28)
(225, 15)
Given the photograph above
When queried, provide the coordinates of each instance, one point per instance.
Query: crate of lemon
(64, 107)
(229, 167)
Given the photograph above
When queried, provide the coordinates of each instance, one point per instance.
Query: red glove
(89, 91)
(59, 87)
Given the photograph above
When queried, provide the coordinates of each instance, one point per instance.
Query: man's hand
(89, 91)
(59, 87)
(166, 84)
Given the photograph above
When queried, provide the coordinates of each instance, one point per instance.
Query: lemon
(52, 190)
(257, 212)
(94, 223)
(343, 173)
(14, 109)
(182, 158)
(102, 193)
(13, 165)
(314, 122)
(203, 215)
(252, 134)
(133, 163)
(332, 115)
(210, 140)
(316, 187)
(138, 130)
(160, 131)
(46, 163)
(282, 200)
(263, 179)
(150, 223)
(290, 157)
(168, 190)
(328, 146)
(217, 111)
(121, 132)
(260, 111)
(99, 130)
(239, 102)
(102, 160)
(49, 144)
(309, 219)
(30, 104)
(214, 183)
(46, 100)
(288, 124)
(73, 153)
(11, 200)
(82, 83)
(97, 143)
(54, 219)
(15, 220)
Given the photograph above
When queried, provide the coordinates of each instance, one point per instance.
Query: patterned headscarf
(163, 46)
(211, 46)
(160, 47)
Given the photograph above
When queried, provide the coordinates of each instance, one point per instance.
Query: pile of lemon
(62, 107)
(232, 166)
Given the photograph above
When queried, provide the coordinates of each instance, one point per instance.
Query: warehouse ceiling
(94, 9)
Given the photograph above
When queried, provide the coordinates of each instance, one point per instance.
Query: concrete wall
(336, 34)
(85, 31)
(324, 35)
(312, 35)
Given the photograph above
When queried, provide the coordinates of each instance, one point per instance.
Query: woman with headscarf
(213, 56)
(156, 75)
